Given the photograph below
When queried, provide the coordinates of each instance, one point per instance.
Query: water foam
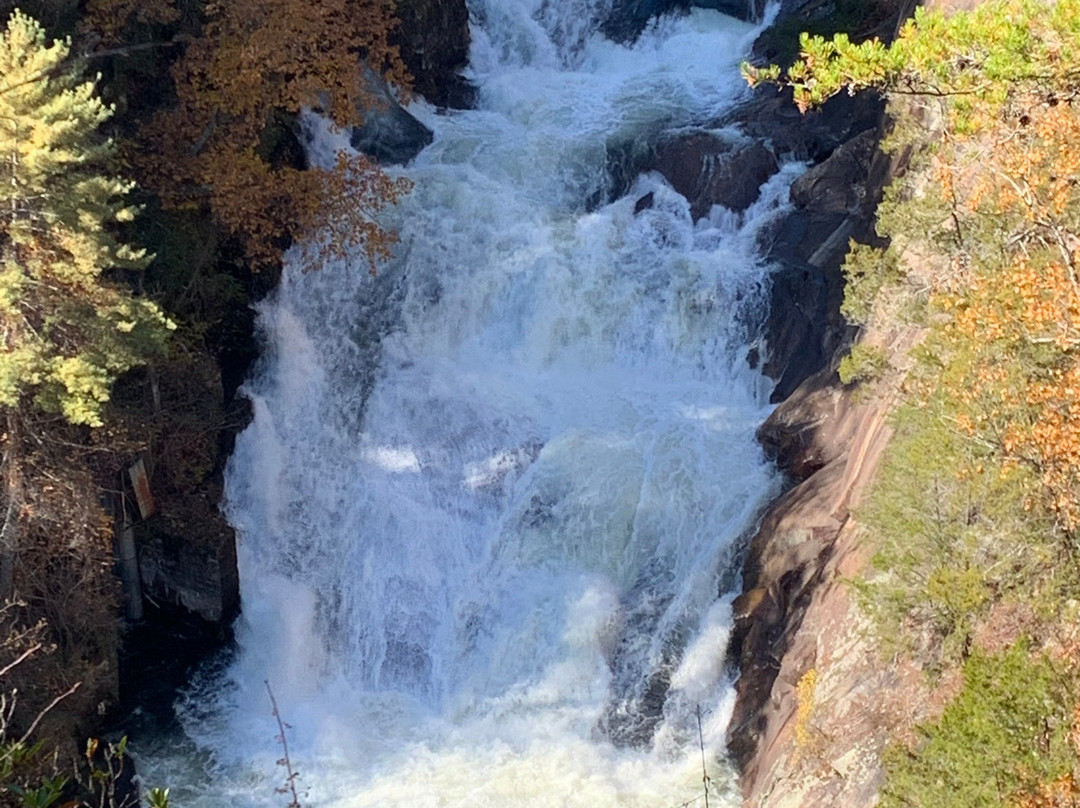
(489, 497)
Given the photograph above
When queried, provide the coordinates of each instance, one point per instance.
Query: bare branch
(48, 708)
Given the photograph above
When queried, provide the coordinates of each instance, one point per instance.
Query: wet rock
(644, 203)
(739, 9)
(771, 115)
(434, 41)
(710, 170)
(796, 613)
(198, 578)
(840, 184)
(623, 161)
(835, 202)
(158, 659)
(804, 327)
(392, 136)
(628, 18)
(389, 133)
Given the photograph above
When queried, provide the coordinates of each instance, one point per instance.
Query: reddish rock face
(797, 614)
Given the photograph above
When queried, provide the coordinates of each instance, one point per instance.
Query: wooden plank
(141, 483)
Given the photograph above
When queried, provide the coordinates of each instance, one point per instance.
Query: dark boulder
(739, 9)
(804, 328)
(192, 577)
(624, 160)
(434, 40)
(644, 203)
(771, 115)
(389, 133)
(628, 18)
(779, 43)
(840, 184)
(834, 202)
(711, 170)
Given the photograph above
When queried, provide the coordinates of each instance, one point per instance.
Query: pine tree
(66, 329)
(68, 326)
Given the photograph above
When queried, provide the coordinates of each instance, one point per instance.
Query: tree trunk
(11, 530)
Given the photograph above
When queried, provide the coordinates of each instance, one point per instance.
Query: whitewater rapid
(491, 498)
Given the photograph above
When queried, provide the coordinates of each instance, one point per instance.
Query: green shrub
(867, 270)
(864, 363)
(1006, 729)
(950, 536)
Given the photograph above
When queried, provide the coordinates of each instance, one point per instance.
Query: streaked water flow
(490, 496)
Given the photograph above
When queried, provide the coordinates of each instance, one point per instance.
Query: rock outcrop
(628, 18)
(770, 115)
(709, 169)
(199, 578)
(795, 622)
(815, 705)
(434, 41)
(834, 202)
(389, 132)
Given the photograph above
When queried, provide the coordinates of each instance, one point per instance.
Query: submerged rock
(644, 203)
(628, 18)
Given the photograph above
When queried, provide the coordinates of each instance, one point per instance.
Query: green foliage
(975, 511)
(1007, 728)
(867, 270)
(986, 55)
(864, 363)
(44, 795)
(859, 17)
(951, 537)
(68, 329)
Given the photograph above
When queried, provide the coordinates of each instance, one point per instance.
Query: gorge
(492, 506)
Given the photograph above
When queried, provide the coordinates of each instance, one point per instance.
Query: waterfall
(489, 497)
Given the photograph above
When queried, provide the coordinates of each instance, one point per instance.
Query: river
(491, 497)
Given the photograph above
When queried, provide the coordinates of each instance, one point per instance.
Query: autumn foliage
(1015, 316)
(246, 69)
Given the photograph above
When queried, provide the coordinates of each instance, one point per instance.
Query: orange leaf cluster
(238, 84)
(1013, 332)
(1061, 793)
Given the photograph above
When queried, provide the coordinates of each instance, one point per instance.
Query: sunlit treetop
(66, 329)
(989, 54)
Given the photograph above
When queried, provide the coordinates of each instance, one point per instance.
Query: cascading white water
(489, 497)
